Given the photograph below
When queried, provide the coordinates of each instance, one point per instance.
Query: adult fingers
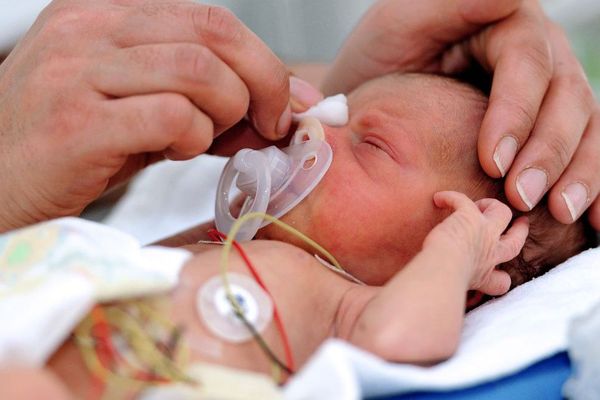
(166, 122)
(190, 69)
(427, 27)
(595, 214)
(217, 28)
(496, 284)
(579, 185)
(448, 21)
(562, 119)
(242, 136)
(517, 52)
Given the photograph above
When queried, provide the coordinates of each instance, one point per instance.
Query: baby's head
(408, 137)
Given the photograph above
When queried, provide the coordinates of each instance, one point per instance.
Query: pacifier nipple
(274, 181)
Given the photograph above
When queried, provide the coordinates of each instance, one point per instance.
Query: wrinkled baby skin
(408, 137)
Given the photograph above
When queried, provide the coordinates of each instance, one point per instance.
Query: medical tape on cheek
(218, 315)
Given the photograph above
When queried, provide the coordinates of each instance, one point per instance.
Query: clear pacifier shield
(252, 163)
(274, 181)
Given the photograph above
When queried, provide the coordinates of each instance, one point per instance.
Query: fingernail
(531, 185)
(505, 154)
(285, 120)
(303, 94)
(576, 196)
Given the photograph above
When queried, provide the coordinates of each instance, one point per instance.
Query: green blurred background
(586, 42)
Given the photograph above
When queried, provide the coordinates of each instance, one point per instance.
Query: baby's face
(374, 206)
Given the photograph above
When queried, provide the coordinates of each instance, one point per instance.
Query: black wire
(259, 339)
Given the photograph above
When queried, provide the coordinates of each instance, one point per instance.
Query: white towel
(499, 338)
(168, 198)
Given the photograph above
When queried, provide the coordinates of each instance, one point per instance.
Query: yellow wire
(234, 231)
(139, 343)
(227, 249)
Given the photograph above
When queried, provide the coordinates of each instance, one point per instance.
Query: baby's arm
(417, 316)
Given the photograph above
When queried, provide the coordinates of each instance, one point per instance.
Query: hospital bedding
(543, 380)
(501, 340)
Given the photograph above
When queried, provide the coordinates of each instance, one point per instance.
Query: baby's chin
(274, 232)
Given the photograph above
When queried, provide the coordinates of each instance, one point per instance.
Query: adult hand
(542, 128)
(98, 90)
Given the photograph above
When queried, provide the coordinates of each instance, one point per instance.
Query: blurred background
(313, 30)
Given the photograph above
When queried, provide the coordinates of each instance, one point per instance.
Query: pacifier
(273, 180)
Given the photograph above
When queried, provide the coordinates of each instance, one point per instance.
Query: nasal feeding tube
(274, 181)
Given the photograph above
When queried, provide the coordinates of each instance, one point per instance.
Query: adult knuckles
(174, 115)
(217, 25)
(194, 63)
(69, 118)
(68, 20)
(577, 84)
(538, 57)
(55, 70)
(558, 150)
(523, 112)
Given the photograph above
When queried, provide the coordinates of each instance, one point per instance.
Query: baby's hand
(475, 230)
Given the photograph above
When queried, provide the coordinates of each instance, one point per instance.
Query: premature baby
(406, 209)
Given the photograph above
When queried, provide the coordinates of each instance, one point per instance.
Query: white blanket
(500, 338)
(168, 198)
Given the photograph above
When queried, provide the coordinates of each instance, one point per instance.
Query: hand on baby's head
(475, 232)
(410, 136)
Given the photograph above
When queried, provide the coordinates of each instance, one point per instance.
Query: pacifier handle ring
(249, 162)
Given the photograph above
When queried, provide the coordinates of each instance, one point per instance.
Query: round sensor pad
(217, 313)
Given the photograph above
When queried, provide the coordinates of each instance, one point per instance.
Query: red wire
(105, 350)
(218, 236)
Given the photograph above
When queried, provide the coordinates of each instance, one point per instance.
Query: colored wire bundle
(229, 242)
(290, 367)
(118, 349)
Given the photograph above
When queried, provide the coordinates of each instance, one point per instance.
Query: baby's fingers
(453, 201)
(498, 213)
(496, 284)
(512, 241)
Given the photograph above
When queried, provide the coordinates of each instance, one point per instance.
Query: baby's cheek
(339, 215)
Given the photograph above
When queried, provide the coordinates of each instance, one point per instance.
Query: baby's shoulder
(276, 251)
